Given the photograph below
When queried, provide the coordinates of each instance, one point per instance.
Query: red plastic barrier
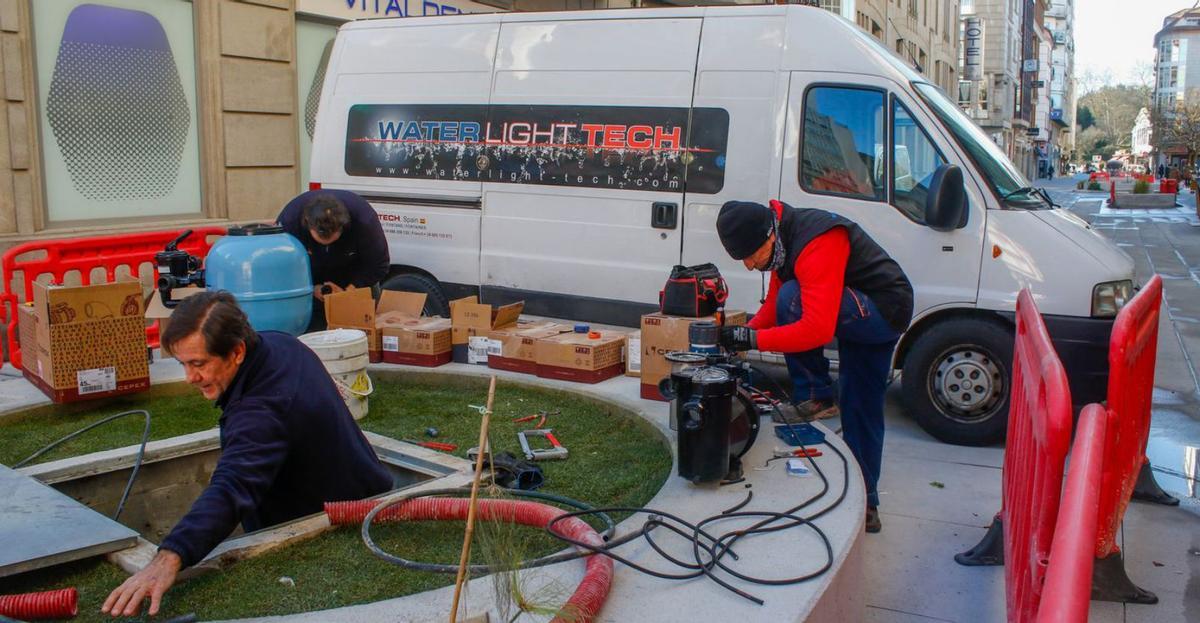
(1039, 433)
(1168, 186)
(1131, 353)
(60, 604)
(1068, 587)
(597, 579)
(57, 258)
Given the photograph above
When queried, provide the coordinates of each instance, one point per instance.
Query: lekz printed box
(580, 357)
(82, 342)
(513, 349)
(662, 334)
(356, 309)
(406, 336)
(472, 325)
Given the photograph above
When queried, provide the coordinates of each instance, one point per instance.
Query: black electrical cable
(137, 464)
(740, 505)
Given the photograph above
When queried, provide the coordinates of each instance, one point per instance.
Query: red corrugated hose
(597, 580)
(60, 604)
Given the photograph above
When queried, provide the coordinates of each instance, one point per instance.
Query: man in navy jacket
(288, 442)
(345, 242)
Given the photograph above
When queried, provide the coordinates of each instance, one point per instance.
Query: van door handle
(664, 215)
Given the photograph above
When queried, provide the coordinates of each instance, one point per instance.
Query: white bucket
(343, 352)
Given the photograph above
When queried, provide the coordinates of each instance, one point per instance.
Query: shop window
(117, 89)
(843, 142)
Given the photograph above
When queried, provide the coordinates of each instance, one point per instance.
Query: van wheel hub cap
(966, 384)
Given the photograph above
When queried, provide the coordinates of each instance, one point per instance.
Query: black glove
(737, 339)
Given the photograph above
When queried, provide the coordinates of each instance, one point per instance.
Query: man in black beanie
(828, 279)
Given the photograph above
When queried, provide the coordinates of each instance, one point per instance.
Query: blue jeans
(865, 345)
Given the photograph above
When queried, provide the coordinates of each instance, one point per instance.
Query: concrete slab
(886, 615)
(969, 495)
(1162, 550)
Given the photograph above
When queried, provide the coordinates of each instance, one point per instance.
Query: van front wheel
(436, 303)
(957, 379)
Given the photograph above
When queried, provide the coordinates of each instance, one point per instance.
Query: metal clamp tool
(556, 451)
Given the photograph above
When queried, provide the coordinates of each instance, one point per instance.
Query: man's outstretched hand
(152, 581)
(738, 339)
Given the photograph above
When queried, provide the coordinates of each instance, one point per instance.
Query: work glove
(737, 339)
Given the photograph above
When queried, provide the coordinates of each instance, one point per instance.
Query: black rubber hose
(137, 464)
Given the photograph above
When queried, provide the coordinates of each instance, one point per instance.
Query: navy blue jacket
(288, 444)
(359, 257)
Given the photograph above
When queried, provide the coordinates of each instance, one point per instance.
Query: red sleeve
(764, 318)
(820, 271)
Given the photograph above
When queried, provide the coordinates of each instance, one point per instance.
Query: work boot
(873, 523)
(805, 411)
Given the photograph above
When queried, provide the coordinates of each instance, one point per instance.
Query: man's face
(761, 259)
(207, 372)
(325, 240)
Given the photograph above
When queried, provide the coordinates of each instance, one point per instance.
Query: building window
(117, 88)
(964, 93)
(843, 142)
(832, 5)
(1174, 77)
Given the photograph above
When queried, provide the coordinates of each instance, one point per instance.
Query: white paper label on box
(477, 349)
(634, 362)
(391, 343)
(495, 347)
(96, 380)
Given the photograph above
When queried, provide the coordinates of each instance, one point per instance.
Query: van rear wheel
(436, 303)
(957, 379)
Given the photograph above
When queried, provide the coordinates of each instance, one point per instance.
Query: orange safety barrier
(1068, 586)
(1039, 434)
(57, 258)
(1131, 357)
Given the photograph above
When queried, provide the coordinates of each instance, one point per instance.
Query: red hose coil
(58, 604)
(588, 597)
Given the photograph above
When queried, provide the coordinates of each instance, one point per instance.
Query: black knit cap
(743, 227)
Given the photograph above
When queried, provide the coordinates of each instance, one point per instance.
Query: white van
(570, 159)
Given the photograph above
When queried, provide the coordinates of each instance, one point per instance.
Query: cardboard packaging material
(84, 342)
(513, 349)
(156, 310)
(471, 319)
(580, 358)
(633, 354)
(407, 337)
(355, 309)
(662, 334)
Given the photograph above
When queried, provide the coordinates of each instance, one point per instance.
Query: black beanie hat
(743, 227)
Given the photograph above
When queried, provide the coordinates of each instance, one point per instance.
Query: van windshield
(1006, 181)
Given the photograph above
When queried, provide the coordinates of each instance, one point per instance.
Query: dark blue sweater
(288, 444)
(359, 257)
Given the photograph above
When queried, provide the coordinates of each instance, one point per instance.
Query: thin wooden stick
(466, 548)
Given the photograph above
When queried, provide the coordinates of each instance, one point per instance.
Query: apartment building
(1176, 78)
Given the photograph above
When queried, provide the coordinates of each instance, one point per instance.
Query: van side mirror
(946, 203)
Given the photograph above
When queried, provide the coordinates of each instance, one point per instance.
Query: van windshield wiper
(1030, 190)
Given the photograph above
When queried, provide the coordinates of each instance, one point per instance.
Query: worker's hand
(152, 581)
(737, 339)
(335, 287)
(317, 294)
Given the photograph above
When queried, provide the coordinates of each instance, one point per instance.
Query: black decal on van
(641, 148)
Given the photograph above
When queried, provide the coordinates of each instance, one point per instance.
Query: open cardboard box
(662, 334)
(471, 319)
(408, 337)
(513, 349)
(83, 342)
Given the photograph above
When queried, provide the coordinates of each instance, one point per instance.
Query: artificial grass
(616, 460)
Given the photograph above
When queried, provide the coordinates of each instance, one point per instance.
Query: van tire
(436, 303)
(977, 351)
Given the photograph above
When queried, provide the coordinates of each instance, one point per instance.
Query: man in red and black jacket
(828, 279)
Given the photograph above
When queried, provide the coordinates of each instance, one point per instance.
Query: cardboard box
(406, 336)
(662, 334)
(355, 309)
(577, 357)
(513, 349)
(470, 318)
(156, 310)
(83, 342)
(633, 354)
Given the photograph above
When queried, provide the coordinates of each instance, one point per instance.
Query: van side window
(914, 160)
(843, 142)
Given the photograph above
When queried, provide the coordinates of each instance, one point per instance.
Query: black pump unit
(712, 412)
(177, 269)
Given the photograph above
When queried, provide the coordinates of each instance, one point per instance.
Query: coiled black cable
(137, 464)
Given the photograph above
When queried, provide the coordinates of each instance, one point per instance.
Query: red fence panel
(57, 258)
(1131, 353)
(1068, 586)
(1039, 433)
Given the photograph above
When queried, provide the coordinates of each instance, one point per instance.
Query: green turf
(616, 460)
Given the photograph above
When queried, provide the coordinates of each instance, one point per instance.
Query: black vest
(869, 269)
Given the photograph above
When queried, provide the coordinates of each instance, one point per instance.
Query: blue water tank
(267, 271)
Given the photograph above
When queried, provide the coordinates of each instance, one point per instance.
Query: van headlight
(1109, 297)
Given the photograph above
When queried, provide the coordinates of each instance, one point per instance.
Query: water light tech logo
(601, 146)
